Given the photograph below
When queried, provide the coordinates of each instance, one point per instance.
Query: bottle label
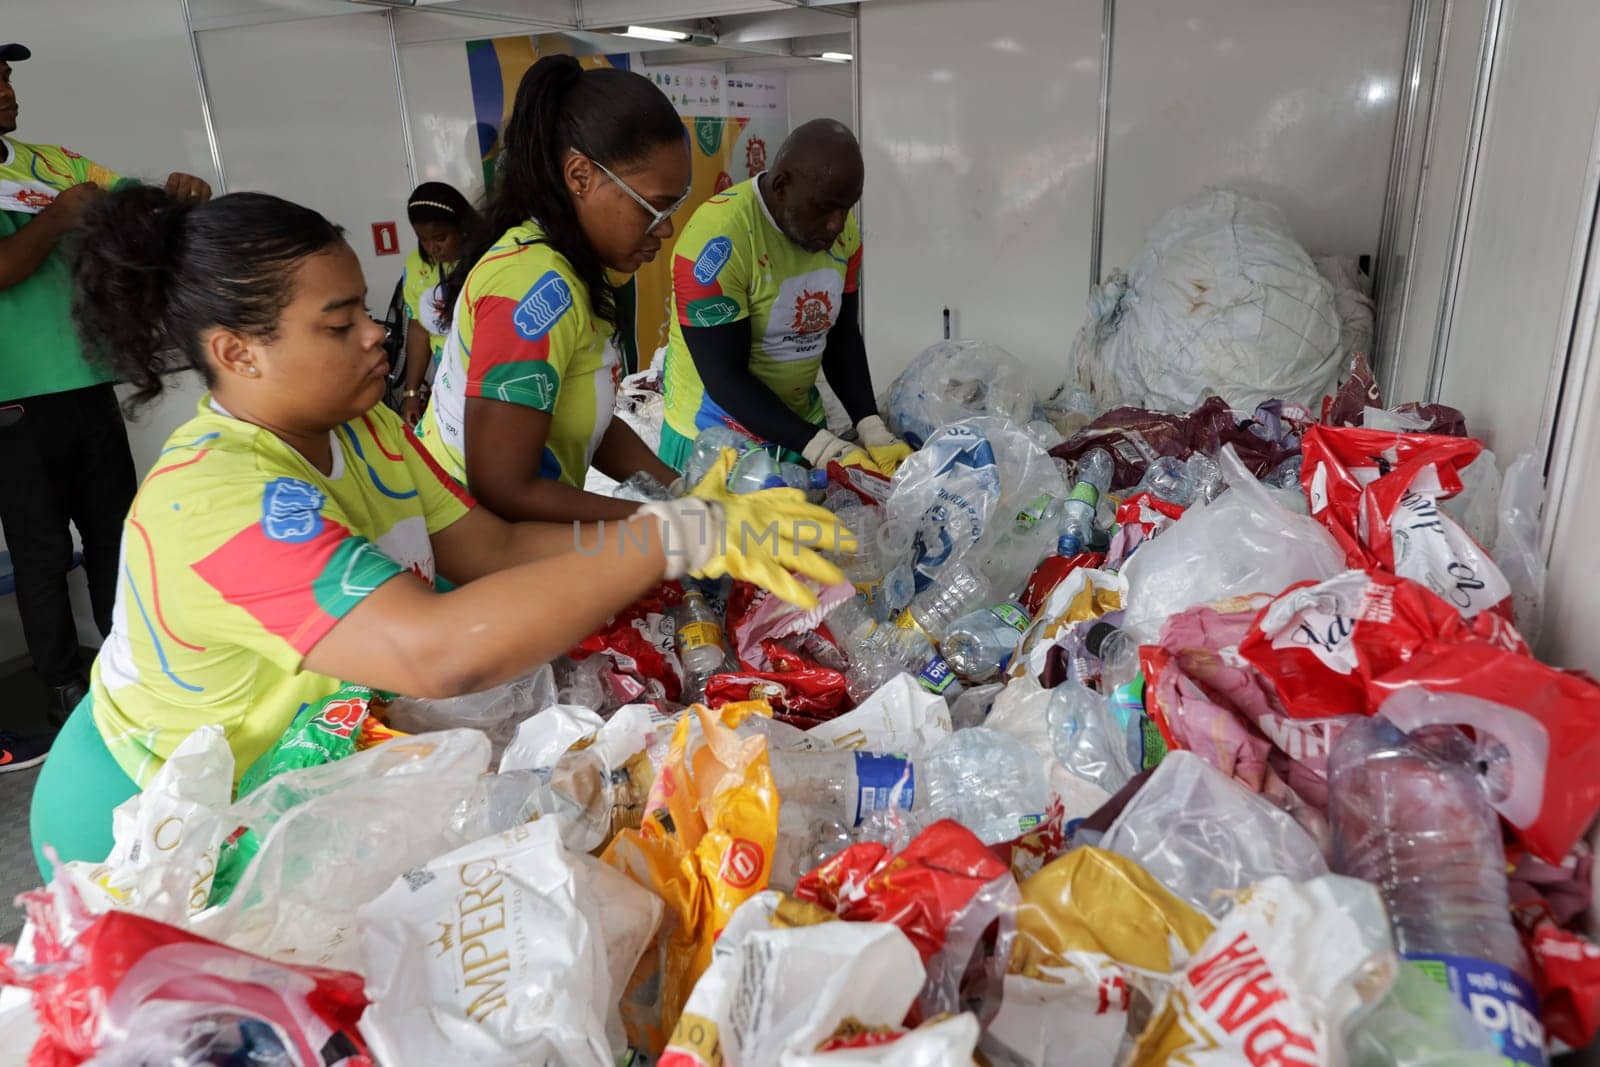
(870, 591)
(906, 622)
(1085, 492)
(699, 635)
(936, 675)
(1499, 1000)
(1012, 616)
(878, 776)
(1032, 512)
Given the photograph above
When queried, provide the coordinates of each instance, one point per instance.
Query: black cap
(1096, 637)
(14, 53)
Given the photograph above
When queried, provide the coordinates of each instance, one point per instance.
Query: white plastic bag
(1242, 542)
(1222, 299)
(496, 712)
(510, 950)
(166, 837)
(1278, 980)
(1205, 836)
(954, 380)
(900, 717)
(776, 991)
(333, 837)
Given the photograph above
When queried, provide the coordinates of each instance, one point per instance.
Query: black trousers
(64, 460)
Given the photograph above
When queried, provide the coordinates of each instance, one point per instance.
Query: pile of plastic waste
(1134, 738)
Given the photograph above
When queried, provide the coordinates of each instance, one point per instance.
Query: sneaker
(20, 753)
(63, 699)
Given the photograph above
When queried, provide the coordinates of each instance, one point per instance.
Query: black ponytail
(612, 116)
(151, 274)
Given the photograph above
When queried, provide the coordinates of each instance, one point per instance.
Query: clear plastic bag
(1419, 1024)
(954, 380)
(1242, 542)
(333, 837)
(1516, 547)
(496, 712)
(1204, 836)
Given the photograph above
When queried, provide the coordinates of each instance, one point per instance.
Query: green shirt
(39, 347)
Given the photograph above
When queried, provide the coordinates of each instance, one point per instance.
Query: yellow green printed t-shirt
(733, 263)
(238, 556)
(524, 333)
(39, 348)
(423, 292)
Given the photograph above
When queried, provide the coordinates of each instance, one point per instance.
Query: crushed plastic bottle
(757, 470)
(708, 448)
(877, 652)
(885, 585)
(702, 646)
(980, 643)
(1086, 737)
(1206, 474)
(643, 487)
(1410, 816)
(1169, 479)
(1094, 474)
(1285, 475)
(932, 611)
(1118, 653)
(987, 781)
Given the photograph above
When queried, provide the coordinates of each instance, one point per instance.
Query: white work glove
(691, 532)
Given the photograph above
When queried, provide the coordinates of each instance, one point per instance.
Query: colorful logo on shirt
(291, 510)
(813, 311)
(712, 311)
(543, 307)
(713, 257)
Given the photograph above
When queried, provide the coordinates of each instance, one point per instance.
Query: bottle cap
(1096, 637)
(774, 482)
(819, 479)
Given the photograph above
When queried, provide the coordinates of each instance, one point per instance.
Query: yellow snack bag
(1098, 942)
(1084, 594)
(705, 847)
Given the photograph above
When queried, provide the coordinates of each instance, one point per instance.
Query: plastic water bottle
(878, 652)
(642, 486)
(1410, 816)
(1095, 470)
(960, 589)
(757, 470)
(987, 781)
(1118, 654)
(1169, 479)
(1206, 474)
(1086, 738)
(708, 449)
(701, 647)
(886, 589)
(980, 643)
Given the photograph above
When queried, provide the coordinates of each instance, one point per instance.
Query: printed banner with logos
(733, 130)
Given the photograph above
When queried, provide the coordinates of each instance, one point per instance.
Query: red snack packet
(870, 486)
(801, 692)
(90, 992)
(943, 892)
(1357, 392)
(640, 642)
(1322, 643)
(1567, 972)
(1544, 724)
(1378, 492)
(1051, 573)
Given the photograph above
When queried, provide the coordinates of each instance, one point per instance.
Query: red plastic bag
(1567, 969)
(123, 972)
(1322, 643)
(802, 693)
(1378, 493)
(640, 643)
(1544, 722)
(944, 891)
(1051, 573)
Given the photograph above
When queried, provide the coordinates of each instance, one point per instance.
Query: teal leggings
(75, 794)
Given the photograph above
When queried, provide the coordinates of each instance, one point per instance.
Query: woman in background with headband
(445, 225)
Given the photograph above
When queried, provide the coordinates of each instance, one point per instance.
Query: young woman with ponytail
(594, 165)
(289, 536)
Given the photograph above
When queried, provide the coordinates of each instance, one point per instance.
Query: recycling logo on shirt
(712, 311)
(291, 510)
(543, 307)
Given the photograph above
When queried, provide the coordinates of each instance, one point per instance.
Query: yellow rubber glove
(768, 537)
(887, 450)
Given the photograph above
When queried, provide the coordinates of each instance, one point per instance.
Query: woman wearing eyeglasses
(594, 165)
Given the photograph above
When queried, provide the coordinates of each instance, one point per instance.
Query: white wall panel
(978, 124)
(822, 90)
(307, 110)
(1512, 321)
(1289, 100)
(443, 127)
